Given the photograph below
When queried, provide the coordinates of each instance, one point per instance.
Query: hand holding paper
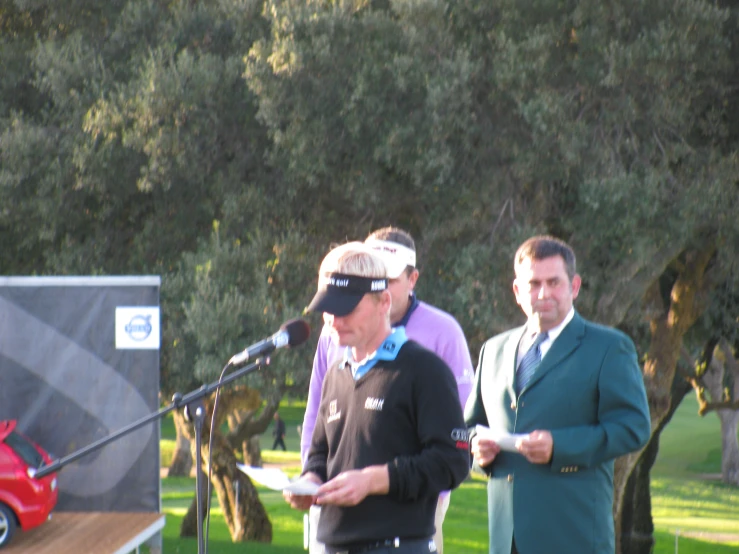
(507, 441)
(277, 480)
(303, 487)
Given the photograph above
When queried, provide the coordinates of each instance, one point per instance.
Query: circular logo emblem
(139, 328)
(459, 435)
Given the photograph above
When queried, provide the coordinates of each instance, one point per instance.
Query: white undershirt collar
(553, 333)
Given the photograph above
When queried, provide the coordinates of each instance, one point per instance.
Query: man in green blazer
(558, 400)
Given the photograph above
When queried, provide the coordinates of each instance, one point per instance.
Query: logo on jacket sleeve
(460, 438)
(467, 377)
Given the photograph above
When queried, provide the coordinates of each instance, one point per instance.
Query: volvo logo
(139, 328)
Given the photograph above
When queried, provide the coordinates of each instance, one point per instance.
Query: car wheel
(7, 524)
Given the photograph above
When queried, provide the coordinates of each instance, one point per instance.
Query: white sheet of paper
(270, 477)
(302, 486)
(276, 479)
(506, 441)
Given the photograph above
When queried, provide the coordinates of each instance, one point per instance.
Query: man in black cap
(389, 436)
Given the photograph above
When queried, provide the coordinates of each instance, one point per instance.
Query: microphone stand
(194, 411)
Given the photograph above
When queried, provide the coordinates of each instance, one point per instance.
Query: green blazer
(589, 392)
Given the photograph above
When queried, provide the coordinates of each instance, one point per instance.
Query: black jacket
(404, 413)
(279, 430)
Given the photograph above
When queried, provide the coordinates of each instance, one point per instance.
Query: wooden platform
(87, 533)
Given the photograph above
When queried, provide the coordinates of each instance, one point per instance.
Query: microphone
(292, 333)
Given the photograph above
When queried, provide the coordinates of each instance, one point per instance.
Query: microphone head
(298, 331)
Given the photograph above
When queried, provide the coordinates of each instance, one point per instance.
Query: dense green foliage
(225, 144)
(129, 127)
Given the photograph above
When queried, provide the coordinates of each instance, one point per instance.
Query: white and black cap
(397, 257)
(338, 294)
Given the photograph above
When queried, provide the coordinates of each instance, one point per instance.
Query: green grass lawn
(688, 497)
(467, 529)
(684, 503)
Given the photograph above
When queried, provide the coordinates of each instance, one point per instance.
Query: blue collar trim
(388, 351)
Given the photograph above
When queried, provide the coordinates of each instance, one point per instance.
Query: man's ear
(413, 278)
(515, 290)
(386, 299)
(576, 283)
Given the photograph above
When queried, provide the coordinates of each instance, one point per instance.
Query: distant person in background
(278, 433)
(574, 391)
(429, 326)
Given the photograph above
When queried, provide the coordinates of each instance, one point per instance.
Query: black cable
(210, 458)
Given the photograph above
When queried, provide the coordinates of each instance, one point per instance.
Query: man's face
(544, 291)
(364, 324)
(400, 289)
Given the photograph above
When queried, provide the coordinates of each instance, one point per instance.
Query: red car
(24, 500)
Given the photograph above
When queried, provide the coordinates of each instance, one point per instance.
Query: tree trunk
(671, 318)
(722, 369)
(729, 447)
(253, 452)
(244, 425)
(245, 516)
(189, 526)
(637, 527)
(181, 465)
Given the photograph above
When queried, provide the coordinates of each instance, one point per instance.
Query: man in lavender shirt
(433, 328)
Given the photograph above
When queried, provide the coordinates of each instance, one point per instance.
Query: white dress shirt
(527, 339)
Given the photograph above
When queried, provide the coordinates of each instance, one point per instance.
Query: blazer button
(520, 404)
(510, 477)
(513, 405)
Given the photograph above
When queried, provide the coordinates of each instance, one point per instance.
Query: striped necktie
(529, 362)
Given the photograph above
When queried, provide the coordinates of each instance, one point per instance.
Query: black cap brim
(335, 302)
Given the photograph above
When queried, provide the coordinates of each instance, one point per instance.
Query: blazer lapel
(510, 350)
(567, 341)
